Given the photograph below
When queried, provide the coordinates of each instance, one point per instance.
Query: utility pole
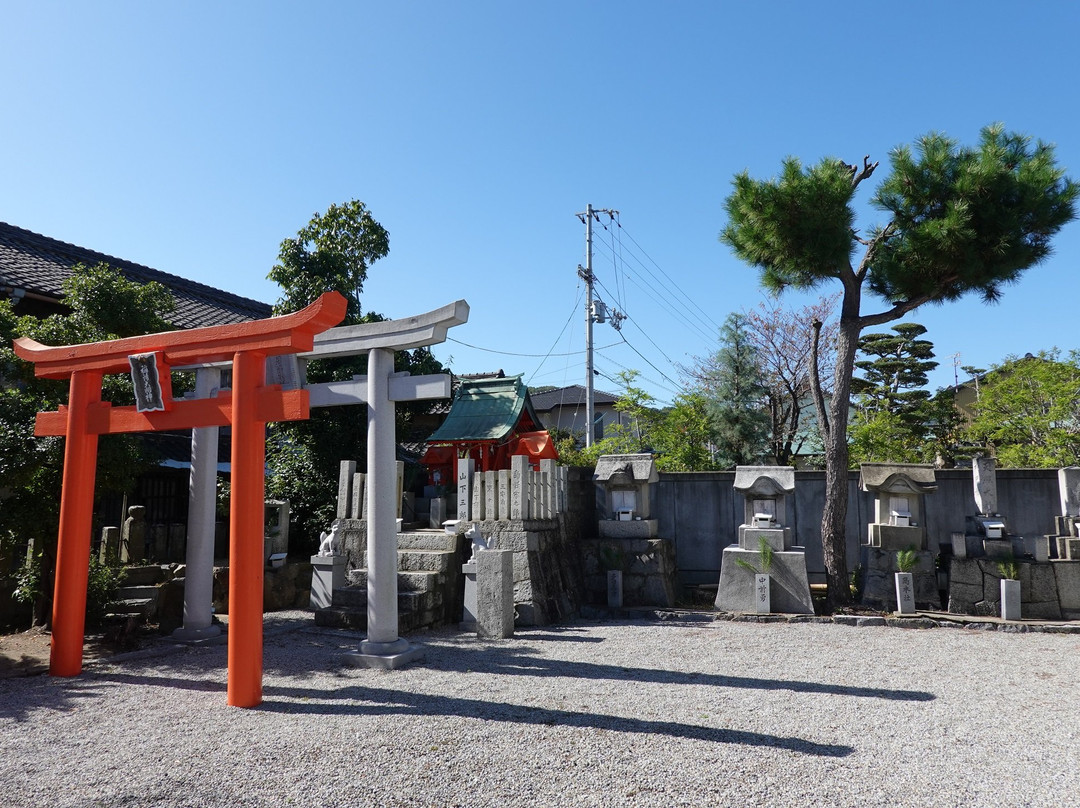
(593, 314)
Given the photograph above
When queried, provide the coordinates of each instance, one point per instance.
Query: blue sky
(194, 137)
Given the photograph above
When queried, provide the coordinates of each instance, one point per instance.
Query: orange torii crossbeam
(249, 407)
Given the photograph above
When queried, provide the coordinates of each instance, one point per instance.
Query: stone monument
(898, 489)
(766, 520)
(628, 540)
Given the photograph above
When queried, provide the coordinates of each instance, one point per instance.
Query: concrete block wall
(700, 513)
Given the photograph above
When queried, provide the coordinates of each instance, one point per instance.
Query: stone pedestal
(327, 574)
(468, 612)
(495, 594)
(789, 585)
(879, 582)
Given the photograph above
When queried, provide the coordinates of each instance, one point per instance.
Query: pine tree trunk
(834, 514)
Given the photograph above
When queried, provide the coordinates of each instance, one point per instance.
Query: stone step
(407, 581)
(427, 540)
(144, 607)
(143, 575)
(355, 597)
(356, 619)
(127, 592)
(418, 560)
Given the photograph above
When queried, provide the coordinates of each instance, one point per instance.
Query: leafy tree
(894, 380)
(733, 384)
(684, 434)
(893, 415)
(102, 305)
(1028, 412)
(333, 252)
(958, 220)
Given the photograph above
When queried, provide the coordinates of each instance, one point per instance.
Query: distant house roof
(572, 396)
(487, 409)
(39, 265)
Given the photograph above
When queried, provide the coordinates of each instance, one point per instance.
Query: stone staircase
(138, 594)
(429, 585)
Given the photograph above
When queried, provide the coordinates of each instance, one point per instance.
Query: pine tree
(959, 220)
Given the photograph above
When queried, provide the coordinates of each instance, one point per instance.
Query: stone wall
(1048, 590)
(700, 512)
(647, 565)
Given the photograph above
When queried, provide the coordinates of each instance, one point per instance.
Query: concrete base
(897, 537)
(371, 655)
(779, 538)
(327, 574)
(184, 634)
(632, 529)
(789, 586)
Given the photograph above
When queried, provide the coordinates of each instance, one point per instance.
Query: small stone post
(495, 594)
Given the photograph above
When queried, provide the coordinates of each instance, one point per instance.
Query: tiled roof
(486, 409)
(40, 265)
(572, 396)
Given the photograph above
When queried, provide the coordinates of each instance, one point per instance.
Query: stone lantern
(625, 481)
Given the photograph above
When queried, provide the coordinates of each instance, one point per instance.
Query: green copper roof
(486, 409)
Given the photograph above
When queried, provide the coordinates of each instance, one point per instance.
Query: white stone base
(385, 661)
(184, 634)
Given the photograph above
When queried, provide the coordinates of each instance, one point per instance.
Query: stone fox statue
(330, 543)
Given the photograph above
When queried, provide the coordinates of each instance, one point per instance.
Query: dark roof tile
(41, 264)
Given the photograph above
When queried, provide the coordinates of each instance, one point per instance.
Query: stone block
(1072, 549)
(959, 545)
(779, 538)
(1000, 549)
(633, 529)
(344, 497)
(790, 591)
(494, 594)
(1038, 547)
(896, 537)
(1067, 577)
(614, 589)
(1039, 582)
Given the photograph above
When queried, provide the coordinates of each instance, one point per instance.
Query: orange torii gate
(248, 408)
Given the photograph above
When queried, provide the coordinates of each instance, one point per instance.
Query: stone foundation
(878, 586)
(1048, 591)
(789, 586)
(647, 565)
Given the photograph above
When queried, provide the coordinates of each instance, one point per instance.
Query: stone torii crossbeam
(247, 408)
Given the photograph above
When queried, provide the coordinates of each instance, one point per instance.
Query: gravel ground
(610, 714)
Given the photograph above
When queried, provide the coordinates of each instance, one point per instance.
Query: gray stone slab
(494, 594)
(1067, 576)
(790, 592)
(779, 538)
(345, 477)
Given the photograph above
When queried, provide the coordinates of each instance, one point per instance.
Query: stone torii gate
(247, 408)
(380, 389)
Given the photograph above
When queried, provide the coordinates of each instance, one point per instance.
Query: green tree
(959, 220)
(1028, 412)
(892, 419)
(683, 435)
(734, 386)
(333, 252)
(102, 305)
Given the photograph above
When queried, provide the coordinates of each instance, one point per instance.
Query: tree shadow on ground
(383, 701)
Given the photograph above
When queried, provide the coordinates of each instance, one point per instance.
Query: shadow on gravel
(520, 662)
(379, 701)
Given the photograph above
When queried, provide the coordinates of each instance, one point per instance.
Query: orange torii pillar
(247, 409)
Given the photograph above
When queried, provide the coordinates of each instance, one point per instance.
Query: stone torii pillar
(380, 389)
(382, 386)
(247, 408)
